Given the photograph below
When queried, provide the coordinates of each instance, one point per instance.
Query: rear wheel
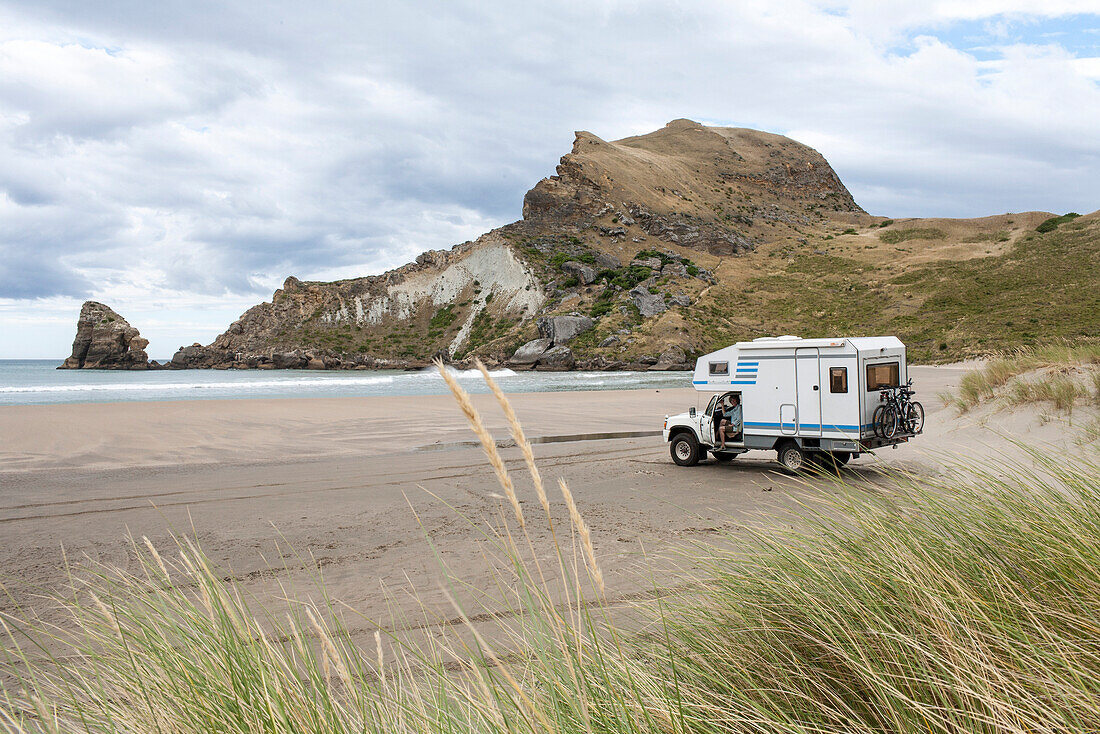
(914, 417)
(684, 449)
(890, 422)
(792, 457)
(831, 461)
(876, 420)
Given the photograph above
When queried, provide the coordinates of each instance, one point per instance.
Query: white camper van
(821, 400)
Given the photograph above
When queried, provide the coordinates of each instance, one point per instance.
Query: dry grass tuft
(1065, 372)
(488, 443)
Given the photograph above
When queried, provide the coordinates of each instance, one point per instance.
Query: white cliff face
(492, 265)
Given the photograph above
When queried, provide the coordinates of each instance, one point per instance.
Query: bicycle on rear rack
(899, 414)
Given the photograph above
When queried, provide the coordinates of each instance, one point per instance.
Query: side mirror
(691, 412)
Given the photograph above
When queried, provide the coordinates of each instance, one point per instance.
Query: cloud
(207, 150)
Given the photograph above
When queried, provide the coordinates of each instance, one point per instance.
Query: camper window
(883, 375)
(838, 379)
(719, 368)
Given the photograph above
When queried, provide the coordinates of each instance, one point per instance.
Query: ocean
(38, 382)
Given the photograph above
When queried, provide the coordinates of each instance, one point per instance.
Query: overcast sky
(177, 160)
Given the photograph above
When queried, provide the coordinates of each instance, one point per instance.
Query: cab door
(706, 423)
(808, 388)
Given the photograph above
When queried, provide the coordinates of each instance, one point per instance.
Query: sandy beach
(282, 492)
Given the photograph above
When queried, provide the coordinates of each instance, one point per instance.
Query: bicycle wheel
(914, 417)
(876, 420)
(890, 421)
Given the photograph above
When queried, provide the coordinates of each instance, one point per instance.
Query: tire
(890, 422)
(792, 457)
(684, 449)
(876, 420)
(841, 457)
(914, 417)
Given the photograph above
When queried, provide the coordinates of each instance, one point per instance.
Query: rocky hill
(646, 251)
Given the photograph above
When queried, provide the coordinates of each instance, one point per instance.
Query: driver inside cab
(730, 425)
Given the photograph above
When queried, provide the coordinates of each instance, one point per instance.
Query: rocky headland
(605, 249)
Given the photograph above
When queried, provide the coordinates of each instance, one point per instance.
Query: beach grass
(1054, 377)
(966, 601)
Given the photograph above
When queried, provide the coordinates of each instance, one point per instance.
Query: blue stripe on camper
(717, 382)
(748, 364)
(804, 426)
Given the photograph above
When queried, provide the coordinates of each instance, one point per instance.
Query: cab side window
(719, 368)
(838, 379)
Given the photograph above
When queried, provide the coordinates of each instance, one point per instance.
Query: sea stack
(106, 341)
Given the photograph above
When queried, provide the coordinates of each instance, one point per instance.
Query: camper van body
(816, 394)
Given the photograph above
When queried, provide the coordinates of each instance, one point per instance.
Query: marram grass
(965, 602)
(1062, 386)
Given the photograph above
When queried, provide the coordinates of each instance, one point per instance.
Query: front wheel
(684, 449)
(792, 457)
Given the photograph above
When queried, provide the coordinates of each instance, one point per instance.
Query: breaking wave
(33, 382)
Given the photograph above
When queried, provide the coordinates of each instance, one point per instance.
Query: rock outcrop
(106, 341)
(564, 329)
(649, 304)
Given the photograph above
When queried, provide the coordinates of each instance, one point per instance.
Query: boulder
(680, 300)
(288, 361)
(610, 341)
(563, 329)
(197, 356)
(674, 270)
(315, 364)
(649, 304)
(653, 263)
(106, 341)
(530, 352)
(607, 261)
(586, 274)
(672, 358)
(556, 358)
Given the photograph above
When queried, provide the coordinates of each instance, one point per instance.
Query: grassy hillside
(950, 291)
